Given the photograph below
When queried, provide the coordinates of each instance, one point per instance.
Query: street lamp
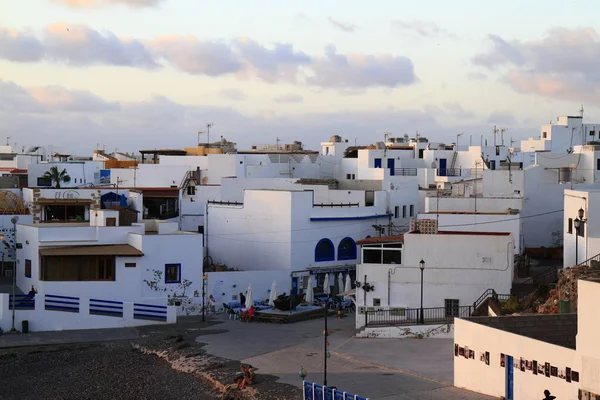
(14, 221)
(326, 343)
(422, 268)
(302, 373)
(578, 223)
(457, 136)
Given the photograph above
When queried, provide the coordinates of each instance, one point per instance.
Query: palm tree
(57, 177)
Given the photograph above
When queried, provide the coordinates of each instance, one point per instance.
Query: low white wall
(445, 331)
(224, 285)
(475, 375)
(41, 319)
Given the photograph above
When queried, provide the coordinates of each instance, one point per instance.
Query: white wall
(489, 379)
(41, 319)
(588, 298)
(7, 230)
(81, 173)
(149, 175)
(472, 204)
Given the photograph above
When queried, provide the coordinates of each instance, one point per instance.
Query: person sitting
(248, 314)
(247, 378)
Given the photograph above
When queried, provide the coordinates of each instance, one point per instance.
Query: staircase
(188, 178)
(453, 163)
(481, 304)
(591, 262)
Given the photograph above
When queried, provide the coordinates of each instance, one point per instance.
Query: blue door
(442, 169)
(391, 162)
(378, 163)
(510, 381)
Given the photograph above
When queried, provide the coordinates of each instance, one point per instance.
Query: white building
(458, 268)
(583, 243)
(519, 357)
(82, 173)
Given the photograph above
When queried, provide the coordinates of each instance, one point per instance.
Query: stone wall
(558, 329)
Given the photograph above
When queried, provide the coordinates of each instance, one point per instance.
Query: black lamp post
(579, 221)
(422, 268)
(325, 343)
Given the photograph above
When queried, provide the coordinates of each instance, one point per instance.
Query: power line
(504, 220)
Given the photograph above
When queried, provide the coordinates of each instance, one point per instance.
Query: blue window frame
(347, 249)
(324, 250)
(172, 273)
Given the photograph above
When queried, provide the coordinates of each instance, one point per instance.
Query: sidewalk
(10, 340)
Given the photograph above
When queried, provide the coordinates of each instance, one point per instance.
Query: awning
(161, 192)
(123, 250)
(63, 202)
(348, 293)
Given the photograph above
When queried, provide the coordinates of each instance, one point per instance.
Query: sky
(133, 74)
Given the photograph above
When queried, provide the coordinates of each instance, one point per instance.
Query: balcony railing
(404, 172)
(449, 172)
(411, 316)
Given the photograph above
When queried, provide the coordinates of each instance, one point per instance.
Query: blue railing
(21, 302)
(313, 391)
(108, 308)
(149, 311)
(61, 303)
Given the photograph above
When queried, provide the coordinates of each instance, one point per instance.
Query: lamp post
(422, 268)
(204, 278)
(14, 221)
(457, 136)
(579, 221)
(326, 344)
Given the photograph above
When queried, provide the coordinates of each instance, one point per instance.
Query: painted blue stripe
(20, 295)
(146, 316)
(63, 297)
(149, 305)
(106, 301)
(62, 302)
(111, 313)
(350, 218)
(153, 312)
(61, 308)
(101, 306)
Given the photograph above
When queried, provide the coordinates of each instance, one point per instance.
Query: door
(378, 163)
(493, 165)
(391, 162)
(509, 378)
(294, 285)
(442, 169)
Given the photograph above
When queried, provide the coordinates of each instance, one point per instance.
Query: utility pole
(495, 133)
(199, 133)
(208, 126)
(502, 135)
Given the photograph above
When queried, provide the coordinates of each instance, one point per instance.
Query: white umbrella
(326, 287)
(348, 286)
(249, 297)
(273, 294)
(340, 283)
(310, 298)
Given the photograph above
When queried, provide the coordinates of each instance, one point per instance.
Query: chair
(230, 312)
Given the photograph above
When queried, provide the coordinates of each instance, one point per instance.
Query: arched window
(324, 251)
(347, 249)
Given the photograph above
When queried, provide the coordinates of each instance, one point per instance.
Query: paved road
(376, 368)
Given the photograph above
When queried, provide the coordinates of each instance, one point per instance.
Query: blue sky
(150, 73)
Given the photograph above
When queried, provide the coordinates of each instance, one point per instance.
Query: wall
(7, 230)
(41, 319)
(472, 204)
(81, 173)
(445, 331)
(480, 223)
(149, 175)
(475, 375)
(452, 271)
(587, 333)
(221, 284)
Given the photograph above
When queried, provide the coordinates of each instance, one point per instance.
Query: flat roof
(382, 239)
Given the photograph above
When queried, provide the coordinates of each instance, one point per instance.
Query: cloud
(476, 76)
(233, 94)
(81, 46)
(502, 118)
(197, 57)
(45, 99)
(562, 65)
(336, 70)
(342, 26)
(20, 46)
(456, 110)
(101, 3)
(288, 98)
(421, 28)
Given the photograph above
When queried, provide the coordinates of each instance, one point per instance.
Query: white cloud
(103, 3)
(233, 94)
(426, 29)
(343, 26)
(288, 98)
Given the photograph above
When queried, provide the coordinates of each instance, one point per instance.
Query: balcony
(404, 172)
(410, 316)
(451, 172)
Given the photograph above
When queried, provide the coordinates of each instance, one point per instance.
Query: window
(369, 198)
(376, 302)
(497, 150)
(403, 211)
(544, 135)
(592, 133)
(421, 153)
(111, 221)
(78, 268)
(377, 162)
(348, 176)
(353, 176)
(28, 268)
(397, 212)
(570, 226)
(598, 164)
(130, 265)
(451, 306)
(172, 273)
(347, 249)
(412, 210)
(64, 213)
(324, 251)
(386, 254)
(43, 182)
(191, 190)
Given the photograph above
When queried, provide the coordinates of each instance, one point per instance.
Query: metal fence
(411, 316)
(404, 172)
(313, 391)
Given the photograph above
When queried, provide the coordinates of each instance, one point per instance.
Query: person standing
(243, 300)
(547, 395)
